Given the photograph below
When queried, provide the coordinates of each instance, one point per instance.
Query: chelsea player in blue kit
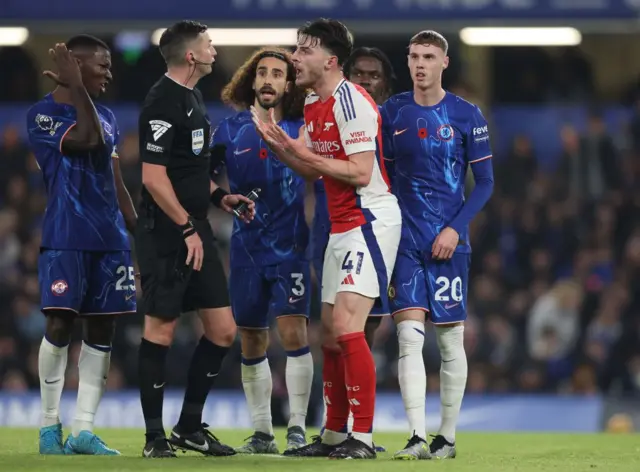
(85, 266)
(269, 268)
(432, 137)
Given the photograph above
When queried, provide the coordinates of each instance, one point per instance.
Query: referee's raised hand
(195, 252)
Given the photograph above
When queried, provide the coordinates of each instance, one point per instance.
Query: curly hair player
(431, 138)
(342, 142)
(269, 269)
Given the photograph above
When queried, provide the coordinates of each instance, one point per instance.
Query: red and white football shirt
(349, 123)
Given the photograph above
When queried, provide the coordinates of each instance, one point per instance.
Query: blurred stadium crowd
(553, 301)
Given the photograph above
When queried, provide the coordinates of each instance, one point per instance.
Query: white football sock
(412, 375)
(333, 438)
(52, 365)
(93, 368)
(257, 385)
(299, 376)
(324, 413)
(453, 377)
(366, 438)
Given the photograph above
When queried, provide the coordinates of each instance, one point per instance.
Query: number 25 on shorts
(347, 263)
(126, 274)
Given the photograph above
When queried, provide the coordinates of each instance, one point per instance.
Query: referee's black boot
(158, 448)
(202, 441)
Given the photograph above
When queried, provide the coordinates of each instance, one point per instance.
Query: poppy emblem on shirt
(445, 132)
(59, 287)
(263, 153)
(422, 133)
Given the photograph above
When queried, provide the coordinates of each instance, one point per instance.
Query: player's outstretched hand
(445, 244)
(230, 201)
(195, 252)
(275, 137)
(67, 65)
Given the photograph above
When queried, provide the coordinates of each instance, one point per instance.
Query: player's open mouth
(103, 87)
(267, 93)
(420, 75)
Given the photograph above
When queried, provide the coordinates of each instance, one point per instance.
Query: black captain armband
(188, 228)
(217, 196)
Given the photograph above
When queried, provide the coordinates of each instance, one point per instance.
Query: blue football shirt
(82, 205)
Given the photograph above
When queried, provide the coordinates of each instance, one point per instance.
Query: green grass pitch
(477, 452)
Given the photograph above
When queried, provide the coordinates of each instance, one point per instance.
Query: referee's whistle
(239, 209)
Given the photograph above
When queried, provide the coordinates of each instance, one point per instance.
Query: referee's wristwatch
(188, 228)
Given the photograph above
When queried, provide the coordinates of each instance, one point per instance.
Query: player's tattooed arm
(300, 167)
(356, 171)
(124, 199)
(86, 134)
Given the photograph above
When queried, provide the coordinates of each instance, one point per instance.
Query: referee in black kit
(179, 268)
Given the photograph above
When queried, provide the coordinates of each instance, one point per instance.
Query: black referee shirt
(174, 131)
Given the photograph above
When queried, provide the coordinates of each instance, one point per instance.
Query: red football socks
(361, 380)
(335, 391)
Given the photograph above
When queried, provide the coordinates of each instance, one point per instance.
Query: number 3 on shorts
(297, 284)
(126, 275)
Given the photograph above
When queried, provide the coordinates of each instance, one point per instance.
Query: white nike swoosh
(399, 131)
(159, 386)
(212, 375)
(237, 153)
(189, 112)
(148, 453)
(199, 447)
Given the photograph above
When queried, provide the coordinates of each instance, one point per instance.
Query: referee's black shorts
(169, 286)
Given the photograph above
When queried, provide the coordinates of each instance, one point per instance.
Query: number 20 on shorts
(448, 290)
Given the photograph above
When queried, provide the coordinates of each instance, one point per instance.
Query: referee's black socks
(205, 366)
(151, 374)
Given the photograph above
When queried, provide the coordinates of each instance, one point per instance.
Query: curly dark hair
(239, 93)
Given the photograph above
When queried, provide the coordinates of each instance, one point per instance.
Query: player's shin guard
(299, 377)
(52, 364)
(203, 370)
(361, 384)
(257, 385)
(93, 369)
(335, 396)
(412, 375)
(453, 377)
(151, 375)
